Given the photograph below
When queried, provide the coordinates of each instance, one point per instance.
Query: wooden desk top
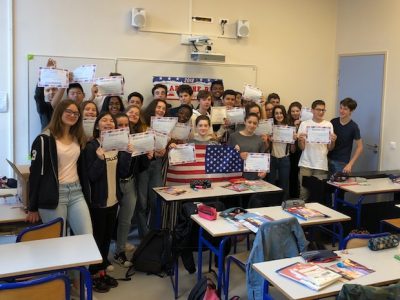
(11, 211)
(8, 192)
(216, 190)
(222, 227)
(387, 270)
(371, 186)
(48, 255)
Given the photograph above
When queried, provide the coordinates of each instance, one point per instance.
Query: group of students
(71, 176)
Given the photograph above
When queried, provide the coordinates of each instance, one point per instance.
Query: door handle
(373, 147)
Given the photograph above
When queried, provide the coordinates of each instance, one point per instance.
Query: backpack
(205, 289)
(154, 254)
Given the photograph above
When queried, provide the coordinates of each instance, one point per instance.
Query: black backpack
(154, 254)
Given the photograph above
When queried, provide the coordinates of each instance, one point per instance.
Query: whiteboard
(139, 73)
(104, 67)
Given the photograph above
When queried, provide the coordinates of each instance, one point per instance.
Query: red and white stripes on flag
(183, 174)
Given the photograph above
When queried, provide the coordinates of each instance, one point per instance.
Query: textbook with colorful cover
(349, 269)
(252, 221)
(242, 184)
(309, 274)
(240, 217)
(305, 213)
(172, 190)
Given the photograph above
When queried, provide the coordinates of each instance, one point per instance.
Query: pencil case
(384, 242)
(321, 256)
(207, 212)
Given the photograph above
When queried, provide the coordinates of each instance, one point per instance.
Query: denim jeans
(72, 208)
(126, 210)
(280, 166)
(147, 180)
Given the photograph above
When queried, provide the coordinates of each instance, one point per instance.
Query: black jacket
(43, 177)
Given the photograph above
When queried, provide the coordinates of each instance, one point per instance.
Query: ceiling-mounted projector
(207, 56)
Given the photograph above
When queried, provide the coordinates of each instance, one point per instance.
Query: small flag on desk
(222, 159)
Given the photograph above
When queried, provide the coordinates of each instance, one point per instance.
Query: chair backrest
(52, 229)
(354, 240)
(54, 286)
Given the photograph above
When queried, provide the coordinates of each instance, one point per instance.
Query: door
(361, 77)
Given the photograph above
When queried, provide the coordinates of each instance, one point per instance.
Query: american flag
(213, 162)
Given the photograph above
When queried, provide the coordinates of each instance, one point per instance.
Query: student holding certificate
(152, 176)
(127, 174)
(245, 141)
(280, 149)
(104, 170)
(295, 152)
(135, 98)
(90, 113)
(136, 124)
(58, 183)
(314, 160)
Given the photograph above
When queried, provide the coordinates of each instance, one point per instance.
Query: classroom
(297, 49)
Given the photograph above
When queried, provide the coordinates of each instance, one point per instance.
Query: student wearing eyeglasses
(314, 158)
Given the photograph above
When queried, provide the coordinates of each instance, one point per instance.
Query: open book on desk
(349, 269)
(309, 274)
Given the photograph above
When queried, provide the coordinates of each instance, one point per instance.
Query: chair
(354, 240)
(52, 229)
(269, 244)
(53, 286)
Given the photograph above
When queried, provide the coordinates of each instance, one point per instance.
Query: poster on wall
(173, 83)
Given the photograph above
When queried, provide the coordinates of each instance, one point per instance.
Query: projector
(207, 56)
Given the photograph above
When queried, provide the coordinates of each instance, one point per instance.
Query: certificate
(182, 154)
(142, 142)
(110, 86)
(163, 124)
(306, 114)
(251, 93)
(50, 77)
(88, 126)
(218, 114)
(84, 73)
(181, 131)
(257, 162)
(161, 140)
(283, 134)
(318, 135)
(264, 127)
(116, 139)
(235, 115)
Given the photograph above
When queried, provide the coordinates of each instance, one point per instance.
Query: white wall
(373, 26)
(292, 42)
(6, 125)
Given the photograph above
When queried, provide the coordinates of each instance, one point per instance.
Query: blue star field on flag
(222, 159)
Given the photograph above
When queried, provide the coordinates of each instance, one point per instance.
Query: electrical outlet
(223, 21)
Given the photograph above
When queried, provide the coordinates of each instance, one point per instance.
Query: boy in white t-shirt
(314, 158)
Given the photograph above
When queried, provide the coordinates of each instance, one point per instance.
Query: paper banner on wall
(173, 83)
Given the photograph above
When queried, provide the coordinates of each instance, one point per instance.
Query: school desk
(11, 210)
(369, 187)
(225, 229)
(50, 255)
(387, 270)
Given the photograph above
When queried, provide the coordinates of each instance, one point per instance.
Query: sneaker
(99, 285)
(122, 260)
(110, 281)
(129, 247)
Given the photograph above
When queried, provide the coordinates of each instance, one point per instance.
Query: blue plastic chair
(52, 229)
(55, 285)
(354, 240)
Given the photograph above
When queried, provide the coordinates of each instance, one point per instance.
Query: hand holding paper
(182, 154)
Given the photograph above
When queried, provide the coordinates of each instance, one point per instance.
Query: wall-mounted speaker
(243, 28)
(138, 17)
